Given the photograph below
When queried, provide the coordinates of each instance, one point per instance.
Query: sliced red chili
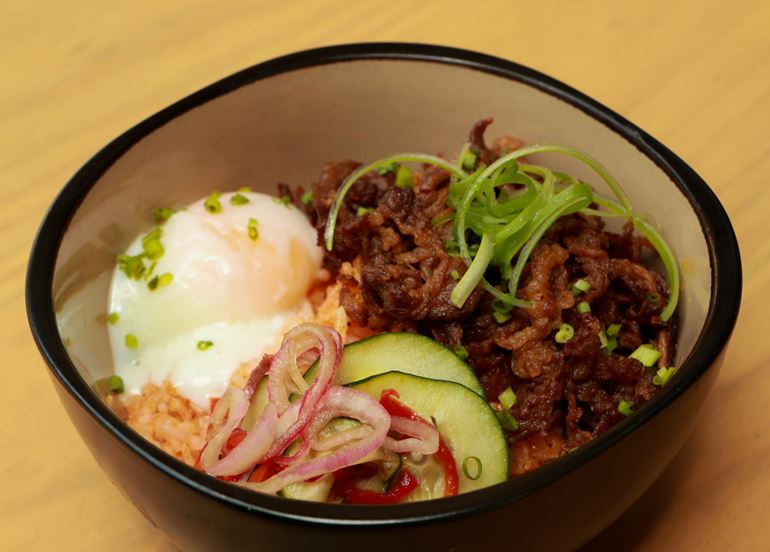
(400, 489)
(389, 400)
(263, 472)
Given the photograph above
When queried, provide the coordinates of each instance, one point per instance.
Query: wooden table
(76, 74)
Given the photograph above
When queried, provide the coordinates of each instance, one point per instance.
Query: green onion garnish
(607, 343)
(613, 330)
(363, 211)
(245, 189)
(507, 398)
(403, 177)
(507, 421)
(624, 407)
(583, 307)
(664, 374)
(212, 204)
(113, 318)
(162, 214)
(284, 200)
(511, 205)
(468, 160)
(239, 199)
(455, 274)
(205, 345)
(646, 354)
(132, 266)
(307, 198)
(475, 472)
(460, 351)
(253, 228)
(132, 342)
(565, 333)
(580, 286)
(116, 384)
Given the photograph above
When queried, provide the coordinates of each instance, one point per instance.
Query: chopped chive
(212, 203)
(580, 286)
(475, 472)
(162, 214)
(501, 317)
(403, 177)
(624, 407)
(205, 345)
(455, 274)
(565, 333)
(461, 352)
(239, 199)
(253, 228)
(363, 211)
(646, 354)
(507, 421)
(132, 265)
(132, 342)
(607, 343)
(116, 384)
(307, 198)
(468, 160)
(160, 281)
(664, 374)
(507, 398)
(245, 189)
(113, 318)
(583, 307)
(613, 330)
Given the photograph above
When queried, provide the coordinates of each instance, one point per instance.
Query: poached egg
(233, 274)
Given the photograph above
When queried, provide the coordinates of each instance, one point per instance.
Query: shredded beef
(567, 394)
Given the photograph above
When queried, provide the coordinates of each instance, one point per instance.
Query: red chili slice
(400, 489)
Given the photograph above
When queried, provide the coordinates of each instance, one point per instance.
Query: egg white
(238, 293)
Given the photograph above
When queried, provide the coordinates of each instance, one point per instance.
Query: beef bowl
(280, 121)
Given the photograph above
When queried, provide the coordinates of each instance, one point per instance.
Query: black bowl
(280, 120)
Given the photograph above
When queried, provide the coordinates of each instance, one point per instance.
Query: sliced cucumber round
(464, 419)
(404, 352)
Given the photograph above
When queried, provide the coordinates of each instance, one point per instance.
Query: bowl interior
(284, 127)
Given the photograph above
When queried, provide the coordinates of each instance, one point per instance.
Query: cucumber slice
(317, 491)
(404, 352)
(465, 420)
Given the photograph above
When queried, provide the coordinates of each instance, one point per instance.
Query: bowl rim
(720, 320)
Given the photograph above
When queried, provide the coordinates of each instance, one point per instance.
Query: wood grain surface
(696, 75)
